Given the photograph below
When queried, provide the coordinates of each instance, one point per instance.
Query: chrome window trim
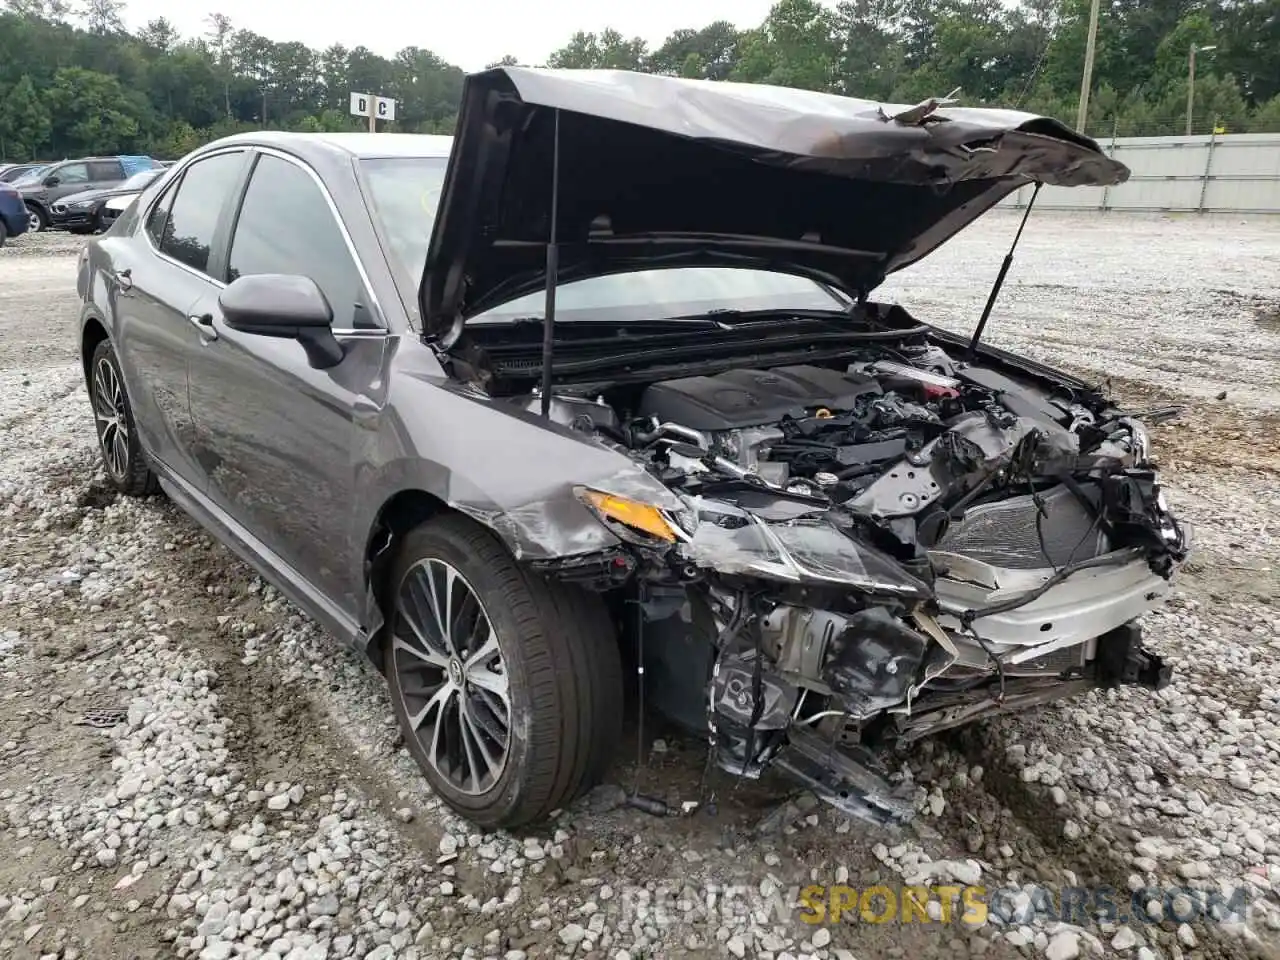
(178, 173)
(379, 314)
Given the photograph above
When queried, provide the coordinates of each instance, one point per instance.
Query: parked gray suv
(61, 179)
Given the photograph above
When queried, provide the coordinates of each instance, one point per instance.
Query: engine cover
(748, 398)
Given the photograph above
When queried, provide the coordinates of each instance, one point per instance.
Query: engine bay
(904, 441)
(885, 540)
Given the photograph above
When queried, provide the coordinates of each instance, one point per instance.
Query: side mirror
(52, 180)
(278, 305)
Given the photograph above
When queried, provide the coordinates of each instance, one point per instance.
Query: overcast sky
(469, 33)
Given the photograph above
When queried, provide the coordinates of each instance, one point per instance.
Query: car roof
(364, 146)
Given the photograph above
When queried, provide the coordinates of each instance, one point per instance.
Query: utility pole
(1087, 80)
(1191, 79)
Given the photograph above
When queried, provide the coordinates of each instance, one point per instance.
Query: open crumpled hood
(657, 171)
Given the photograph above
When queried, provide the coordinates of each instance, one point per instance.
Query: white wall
(1233, 173)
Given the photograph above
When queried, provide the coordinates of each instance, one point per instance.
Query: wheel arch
(92, 333)
(399, 514)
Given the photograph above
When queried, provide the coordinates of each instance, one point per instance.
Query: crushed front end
(869, 555)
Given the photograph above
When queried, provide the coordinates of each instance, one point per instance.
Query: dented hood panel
(658, 171)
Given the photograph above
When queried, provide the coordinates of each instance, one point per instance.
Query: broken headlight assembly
(811, 551)
(632, 521)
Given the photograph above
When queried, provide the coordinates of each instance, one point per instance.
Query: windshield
(679, 291)
(140, 179)
(405, 194)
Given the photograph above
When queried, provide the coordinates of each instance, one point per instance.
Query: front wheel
(36, 220)
(122, 454)
(506, 685)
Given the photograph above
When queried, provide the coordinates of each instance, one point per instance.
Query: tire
(559, 663)
(122, 455)
(37, 219)
(4, 233)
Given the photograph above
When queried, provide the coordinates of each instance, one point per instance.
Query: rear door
(170, 265)
(276, 434)
(105, 173)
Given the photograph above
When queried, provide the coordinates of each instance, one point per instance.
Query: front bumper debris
(856, 786)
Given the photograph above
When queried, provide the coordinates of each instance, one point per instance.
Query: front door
(159, 275)
(67, 179)
(275, 435)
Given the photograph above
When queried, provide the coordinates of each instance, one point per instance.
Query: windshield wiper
(729, 313)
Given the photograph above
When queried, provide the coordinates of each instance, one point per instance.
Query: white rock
(1064, 946)
(572, 933)
(1125, 939)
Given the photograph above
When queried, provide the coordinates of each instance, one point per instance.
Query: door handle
(124, 279)
(204, 323)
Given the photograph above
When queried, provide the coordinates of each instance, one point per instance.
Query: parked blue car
(13, 213)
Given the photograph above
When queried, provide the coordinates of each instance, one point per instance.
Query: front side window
(286, 226)
(72, 173)
(192, 223)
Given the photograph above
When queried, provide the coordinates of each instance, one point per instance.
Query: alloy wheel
(34, 222)
(110, 412)
(453, 682)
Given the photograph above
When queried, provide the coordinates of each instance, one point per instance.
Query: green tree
(709, 53)
(90, 113)
(24, 122)
(159, 34)
(54, 11)
(218, 39)
(609, 50)
(796, 46)
(103, 16)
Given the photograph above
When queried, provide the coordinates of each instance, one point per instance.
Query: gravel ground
(249, 794)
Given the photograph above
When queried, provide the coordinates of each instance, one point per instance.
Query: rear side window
(159, 216)
(286, 226)
(105, 170)
(188, 230)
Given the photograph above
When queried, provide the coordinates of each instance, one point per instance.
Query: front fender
(509, 469)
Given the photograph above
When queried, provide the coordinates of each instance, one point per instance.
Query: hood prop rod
(1004, 270)
(553, 268)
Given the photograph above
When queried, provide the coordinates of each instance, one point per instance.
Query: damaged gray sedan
(602, 381)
